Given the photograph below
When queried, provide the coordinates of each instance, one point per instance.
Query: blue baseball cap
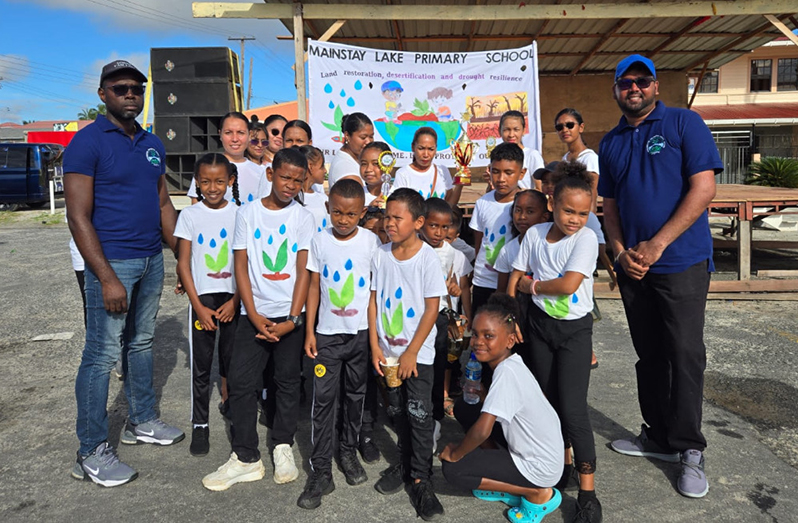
(625, 64)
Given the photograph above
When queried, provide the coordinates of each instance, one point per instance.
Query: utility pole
(242, 39)
(249, 87)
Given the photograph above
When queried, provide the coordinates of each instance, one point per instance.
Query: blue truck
(25, 173)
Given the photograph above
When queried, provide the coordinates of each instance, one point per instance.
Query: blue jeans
(108, 335)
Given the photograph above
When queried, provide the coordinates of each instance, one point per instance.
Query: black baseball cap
(118, 66)
(549, 168)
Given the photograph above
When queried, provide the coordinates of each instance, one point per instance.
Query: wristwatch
(296, 320)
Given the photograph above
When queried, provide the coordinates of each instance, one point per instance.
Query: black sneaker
(368, 449)
(318, 484)
(424, 500)
(569, 479)
(392, 480)
(589, 512)
(199, 441)
(351, 467)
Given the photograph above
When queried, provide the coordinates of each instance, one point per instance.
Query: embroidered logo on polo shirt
(153, 157)
(655, 144)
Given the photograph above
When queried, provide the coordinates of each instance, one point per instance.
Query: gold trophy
(386, 160)
(463, 150)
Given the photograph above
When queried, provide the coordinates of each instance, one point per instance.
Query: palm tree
(91, 113)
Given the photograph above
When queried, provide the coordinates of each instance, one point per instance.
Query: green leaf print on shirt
(491, 253)
(279, 263)
(559, 308)
(346, 296)
(394, 327)
(215, 265)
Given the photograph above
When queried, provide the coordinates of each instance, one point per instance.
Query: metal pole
(242, 39)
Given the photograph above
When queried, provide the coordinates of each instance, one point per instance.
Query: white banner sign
(402, 91)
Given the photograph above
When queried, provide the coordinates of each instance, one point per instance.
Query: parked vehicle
(25, 173)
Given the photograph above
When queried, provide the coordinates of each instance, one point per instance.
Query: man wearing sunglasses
(658, 170)
(118, 212)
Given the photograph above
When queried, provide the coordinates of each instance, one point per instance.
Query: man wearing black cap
(118, 211)
(658, 170)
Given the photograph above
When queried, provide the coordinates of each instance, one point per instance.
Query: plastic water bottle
(473, 381)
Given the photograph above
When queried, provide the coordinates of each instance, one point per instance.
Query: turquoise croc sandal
(492, 495)
(530, 513)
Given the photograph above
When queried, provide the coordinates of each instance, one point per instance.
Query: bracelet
(617, 258)
(534, 292)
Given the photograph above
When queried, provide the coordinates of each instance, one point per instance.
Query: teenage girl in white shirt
(569, 126)
(358, 132)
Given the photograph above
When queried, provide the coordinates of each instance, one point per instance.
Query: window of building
(761, 72)
(787, 79)
(710, 82)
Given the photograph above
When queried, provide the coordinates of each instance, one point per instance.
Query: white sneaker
(436, 435)
(233, 472)
(285, 469)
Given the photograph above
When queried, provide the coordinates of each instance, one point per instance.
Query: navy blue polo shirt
(127, 211)
(647, 170)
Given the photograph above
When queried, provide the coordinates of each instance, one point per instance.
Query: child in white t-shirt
(371, 173)
(453, 236)
(340, 287)
(455, 267)
(519, 459)
(423, 175)
(270, 246)
(205, 266)
(406, 286)
(492, 220)
(315, 201)
(562, 257)
(512, 126)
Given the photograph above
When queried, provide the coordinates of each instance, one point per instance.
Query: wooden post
(299, 62)
(744, 250)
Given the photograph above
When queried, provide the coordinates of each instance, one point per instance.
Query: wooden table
(746, 202)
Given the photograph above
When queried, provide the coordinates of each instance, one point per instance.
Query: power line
(20, 70)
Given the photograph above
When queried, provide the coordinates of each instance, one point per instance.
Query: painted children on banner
(271, 245)
(437, 100)
(407, 283)
(340, 287)
(392, 92)
(205, 266)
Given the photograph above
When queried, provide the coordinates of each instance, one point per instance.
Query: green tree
(91, 113)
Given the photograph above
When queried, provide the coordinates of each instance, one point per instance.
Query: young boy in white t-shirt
(340, 287)
(455, 267)
(492, 219)
(406, 286)
(270, 247)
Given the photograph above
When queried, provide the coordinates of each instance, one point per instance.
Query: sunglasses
(257, 142)
(560, 126)
(643, 82)
(123, 89)
(274, 131)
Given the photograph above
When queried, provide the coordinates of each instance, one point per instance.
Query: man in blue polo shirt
(118, 211)
(658, 170)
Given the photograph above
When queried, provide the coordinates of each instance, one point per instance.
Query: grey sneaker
(643, 447)
(154, 431)
(693, 482)
(103, 467)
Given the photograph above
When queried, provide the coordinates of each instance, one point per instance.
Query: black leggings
(479, 464)
(560, 357)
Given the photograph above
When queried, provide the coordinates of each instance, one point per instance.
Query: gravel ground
(749, 418)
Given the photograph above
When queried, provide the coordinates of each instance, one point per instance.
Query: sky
(52, 51)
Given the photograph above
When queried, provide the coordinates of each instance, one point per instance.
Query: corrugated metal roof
(747, 111)
(562, 44)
